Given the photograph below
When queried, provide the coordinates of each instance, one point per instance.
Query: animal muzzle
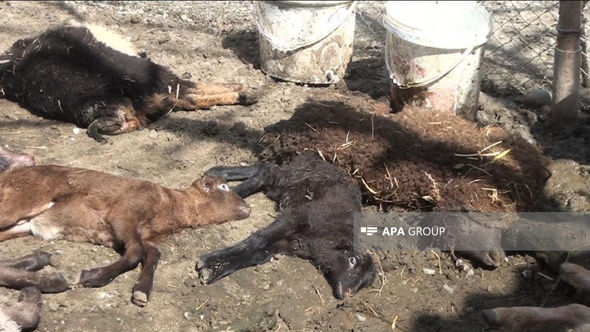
(340, 292)
(244, 212)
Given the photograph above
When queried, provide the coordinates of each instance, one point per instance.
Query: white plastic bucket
(305, 41)
(437, 46)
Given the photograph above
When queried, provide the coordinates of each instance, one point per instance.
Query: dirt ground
(217, 41)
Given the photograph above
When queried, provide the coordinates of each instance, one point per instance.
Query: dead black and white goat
(91, 77)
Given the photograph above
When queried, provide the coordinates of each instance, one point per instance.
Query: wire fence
(519, 55)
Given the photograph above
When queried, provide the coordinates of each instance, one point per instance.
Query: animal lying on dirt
(54, 202)
(25, 273)
(10, 160)
(574, 317)
(316, 202)
(89, 76)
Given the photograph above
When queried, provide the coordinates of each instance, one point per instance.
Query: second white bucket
(305, 41)
(437, 46)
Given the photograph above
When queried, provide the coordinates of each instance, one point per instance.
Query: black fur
(317, 203)
(66, 74)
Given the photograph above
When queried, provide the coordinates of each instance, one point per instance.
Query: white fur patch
(108, 37)
(44, 229)
(21, 227)
(7, 324)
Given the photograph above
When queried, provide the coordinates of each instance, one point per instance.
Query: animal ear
(207, 183)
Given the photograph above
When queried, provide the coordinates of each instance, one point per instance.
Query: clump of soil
(418, 159)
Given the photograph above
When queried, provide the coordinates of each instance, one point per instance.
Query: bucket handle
(430, 80)
(279, 43)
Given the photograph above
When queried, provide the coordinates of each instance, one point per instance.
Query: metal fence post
(566, 65)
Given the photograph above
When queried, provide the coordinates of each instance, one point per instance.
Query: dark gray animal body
(317, 203)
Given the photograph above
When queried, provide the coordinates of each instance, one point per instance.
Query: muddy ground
(216, 41)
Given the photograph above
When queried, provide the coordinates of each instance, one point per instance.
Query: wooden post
(566, 65)
(584, 46)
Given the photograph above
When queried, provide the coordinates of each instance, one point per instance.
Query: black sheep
(317, 203)
(71, 73)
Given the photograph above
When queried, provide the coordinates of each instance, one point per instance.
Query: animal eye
(352, 261)
(223, 187)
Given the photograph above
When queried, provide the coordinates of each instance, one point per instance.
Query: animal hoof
(97, 137)
(139, 298)
(491, 318)
(490, 258)
(213, 267)
(54, 283)
(247, 98)
(30, 294)
(204, 273)
(43, 258)
(91, 278)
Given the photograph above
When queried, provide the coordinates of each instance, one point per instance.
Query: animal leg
(227, 98)
(47, 282)
(575, 316)
(234, 173)
(576, 276)
(103, 126)
(27, 312)
(143, 286)
(16, 231)
(123, 219)
(256, 249)
(258, 177)
(214, 89)
(243, 98)
(32, 262)
(101, 276)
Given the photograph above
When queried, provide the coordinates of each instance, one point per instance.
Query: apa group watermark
(473, 231)
(404, 231)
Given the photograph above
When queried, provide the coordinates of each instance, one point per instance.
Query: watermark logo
(370, 230)
(473, 231)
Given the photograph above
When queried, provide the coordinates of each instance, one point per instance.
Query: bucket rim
(436, 37)
(282, 46)
(299, 3)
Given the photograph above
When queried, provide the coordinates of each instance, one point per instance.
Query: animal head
(219, 203)
(349, 271)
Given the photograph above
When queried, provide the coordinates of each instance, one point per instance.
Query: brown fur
(574, 317)
(55, 202)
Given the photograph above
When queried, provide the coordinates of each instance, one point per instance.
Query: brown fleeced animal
(54, 202)
(95, 79)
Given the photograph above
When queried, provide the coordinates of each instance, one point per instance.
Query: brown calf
(55, 202)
